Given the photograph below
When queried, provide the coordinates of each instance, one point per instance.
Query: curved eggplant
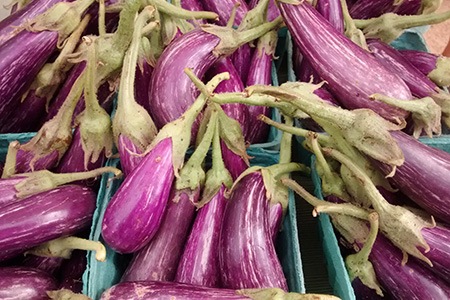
(130, 158)
(43, 217)
(246, 251)
(158, 260)
(366, 9)
(25, 283)
(332, 11)
(135, 212)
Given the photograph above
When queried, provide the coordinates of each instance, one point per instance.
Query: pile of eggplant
(178, 91)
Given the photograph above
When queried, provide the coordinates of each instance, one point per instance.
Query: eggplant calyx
(44, 180)
(63, 247)
(267, 43)
(231, 39)
(442, 99)
(426, 114)
(63, 17)
(9, 169)
(65, 294)
(179, 130)
(255, 17)
(441, 73)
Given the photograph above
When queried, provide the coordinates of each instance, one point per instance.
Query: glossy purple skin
(332, 11)
(240, 59)
(351, 72)
(194, 5)
(411, 281)
(233, 162)
(36, 7)
(424, 176)
(272, 9)
(246, 250)
(25, 283)
(128, 161)
(73, 159)
(8, 191)
(260, 73)
(224, 7)
(167, 291)
(306, 73)
(24, 158)
(21, 58)
(50, 265)
(366, 9)
(142, 83)
(199, 263)
(438, 238)
(49, 215)
(419, 84)
(171, 91)
(425, 62)
(72, 270)
(135, 212)
(237, 111)
(158, 260)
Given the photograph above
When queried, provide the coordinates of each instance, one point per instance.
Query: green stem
(203, 147)
(90, 95)
(324, 206)
(44, 180)
(230, 22)
(83, 5)
(124, 34)
(217, 160)
(320, 159)
(178, 12)
(101, 18)
(370, 241)
(286, 142)
(9, 168)
(256, 16)
(63, 247)
(254, 33)
(66, 111)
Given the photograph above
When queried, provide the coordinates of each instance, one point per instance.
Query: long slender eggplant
(158, 260)
(50, 265)
(332, 11)
(43, 217)
(246, 251)
(366, 9)
(72, 270)
(272, 9)
(224, 8)
(25, 283)
(352, 73)
(435, 67)
(25, 161)
(135, 212)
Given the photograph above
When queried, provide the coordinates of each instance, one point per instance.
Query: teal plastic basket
(101, 275)
(7, 138)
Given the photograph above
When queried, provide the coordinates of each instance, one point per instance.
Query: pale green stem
(178, 12)
(286, 142)
(9, 168)
(101, 18)
(230, 22)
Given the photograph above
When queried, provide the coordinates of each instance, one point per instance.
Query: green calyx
(131, 119)
(63, 17)
(179, 130)
(255, 17)
(441, 73)
(9, 168)
(65, 294)
(276, 293)
(40, 181)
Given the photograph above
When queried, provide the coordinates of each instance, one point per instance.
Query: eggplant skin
(135, 212)
(158, 290)
(19, 283)
(62, 211)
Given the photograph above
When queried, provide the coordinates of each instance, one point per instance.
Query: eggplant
(435, 67)
(193, 5)
(135, 212)
(72, 270)
(353, 75)
(141, 84)
(366, 9)
(22, 57)
(199, 263)
(423, 175)
(8, 191)
(130, 157)
(233, 162)
(25, 161)
(224, 8)
(246, 251)
(332, 11)
(25, 283)
(240, 59)
(272, 9)
(158, 260)
(9, 25)
(50, 265)
(43, 217)
(363, 292)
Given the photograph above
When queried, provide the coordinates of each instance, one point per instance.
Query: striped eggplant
(247, 254)
(224, 8)
(435, 67)
(131, 154)
(72, 270)
(43, 217)
(366, 9)
(332, 11)
(272, 9)
(193, 5)
(199, 264)
(25, 161)
(353, 75)
(158, 260)
(25, 283)
(50, 265)
(135, 212)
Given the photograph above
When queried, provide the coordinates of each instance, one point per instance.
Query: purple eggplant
(141, 84)
(272, 9)
(21, 59)
(438, 238)
(435, 67)
(363, 292)
(25, 162)
(25, 283)
(240, 59)
(8, 191)
(224, 8)
(158, 260)
(135, 212)
(193, 5)
(199, 264)
(246, 251)
(173, 291)
(423, 176)
(9, 27)
(43, 217)
(366, 9)
(130, 157)
(50, 265)
(332, 11)
(260, 73)
(72, 270)
(233, 162)
(352, 73)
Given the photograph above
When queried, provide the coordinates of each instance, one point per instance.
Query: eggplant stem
(230, 22)
(63, 247)
(286, 142)
(313, 142)
(256, 16)
(9, 168)
(101, 18)
(178, 12)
